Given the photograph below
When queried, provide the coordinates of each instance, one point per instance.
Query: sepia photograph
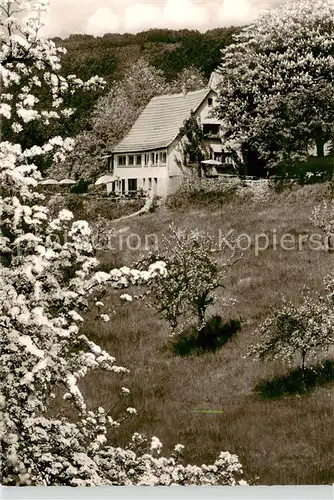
(166, 247)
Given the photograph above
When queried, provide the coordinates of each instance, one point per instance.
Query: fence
(245, 178)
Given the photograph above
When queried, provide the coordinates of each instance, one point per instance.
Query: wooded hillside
(169, 50)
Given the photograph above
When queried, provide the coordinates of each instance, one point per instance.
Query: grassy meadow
(281, 438)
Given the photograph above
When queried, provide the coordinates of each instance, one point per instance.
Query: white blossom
(132, 411)
(276, 82)
(156, 444)
(46, 286)
(126, 297)
(105, 317)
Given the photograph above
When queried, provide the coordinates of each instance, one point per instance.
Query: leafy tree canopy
(276, 87)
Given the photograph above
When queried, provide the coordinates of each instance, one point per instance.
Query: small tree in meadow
(293, 332)
(192, 276)
(323, 217)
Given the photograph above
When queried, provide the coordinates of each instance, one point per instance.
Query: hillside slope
(172, 51)
(281, 436)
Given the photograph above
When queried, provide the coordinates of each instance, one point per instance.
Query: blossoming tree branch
(46, 284)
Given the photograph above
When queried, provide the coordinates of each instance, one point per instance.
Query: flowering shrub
(46, 283)
(188, 276)
(28, 64)
(125, 467)
(221, 184)
(293, 330)
(323, 217)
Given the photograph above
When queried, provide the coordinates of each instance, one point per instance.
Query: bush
(212, 337)
(204, 192)
(75, 205)
(191, 276)
(80, 187)
(313, 170)
(303, 331)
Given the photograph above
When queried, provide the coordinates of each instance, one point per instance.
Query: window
(110, 165)
(162, 157)
(210, 101)
(227, 158)
(111, 188)
(132, 184)
(210, 128)
(121, 160)
(138, 159)
(147, 158)
(152, 158)
(131, 160)
(156, 159)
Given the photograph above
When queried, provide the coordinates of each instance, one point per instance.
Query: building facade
(150, 157)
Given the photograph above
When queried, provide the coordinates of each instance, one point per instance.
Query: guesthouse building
(150, 157)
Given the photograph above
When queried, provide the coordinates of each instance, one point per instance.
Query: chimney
(184, 90)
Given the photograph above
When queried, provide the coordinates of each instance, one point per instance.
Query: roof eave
(135, 151)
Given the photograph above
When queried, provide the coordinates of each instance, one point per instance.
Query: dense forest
(112, 55)
(169, 50)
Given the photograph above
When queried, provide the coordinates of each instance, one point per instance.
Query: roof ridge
(180, 94)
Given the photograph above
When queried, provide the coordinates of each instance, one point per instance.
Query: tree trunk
(202, 337)
(201, 316)
(331, 184)
(199, 170)
(201, 306)
(320, 144)
(303, 370)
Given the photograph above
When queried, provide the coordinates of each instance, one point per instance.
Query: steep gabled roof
(160, 122)
(215, 79)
